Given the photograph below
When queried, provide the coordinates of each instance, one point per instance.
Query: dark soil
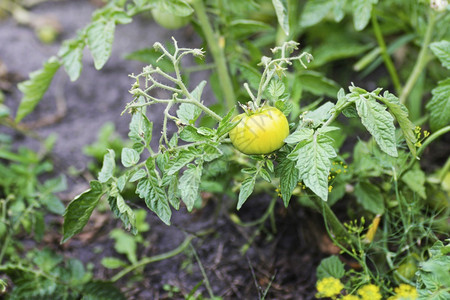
(284, 262)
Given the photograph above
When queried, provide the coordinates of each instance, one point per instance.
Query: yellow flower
(350, 297)
(328, 287)
(404, 292)
(370, 292)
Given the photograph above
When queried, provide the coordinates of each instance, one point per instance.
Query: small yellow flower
(328, 287)
(404, 292)
(330, 188)
(350, 297)
(369, 292)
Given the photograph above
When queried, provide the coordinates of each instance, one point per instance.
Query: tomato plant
(260, 132)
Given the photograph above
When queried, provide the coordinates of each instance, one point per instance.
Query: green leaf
(378, 122)
(80, 209)
(189, 184)
(330, 267)
(71, 54)
(442, 51)
(319, 115)
(247, 187)
(125, 244)
(211, 152)
(191, 134)
(100, 36)
(317, 84)
(140, 128)
(242, 29)
(173, 193)
(276, 88)
(188, 113)
(299, 135)
(289, 176)
(314, 11)
(362, 10)
(281, 9)
(313, 161)
(401, 113)
(123, 211)
(369, 196)
(109, 164)
(129, 157)
(34, 88)
(153, 194)
(113, 263)
(101, 290)
(226, 124)
(439, 106)
(182, 159)
(177, 7)
(141, 173)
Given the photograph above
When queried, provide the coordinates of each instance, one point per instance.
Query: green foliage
(330, 267)
(433, 280)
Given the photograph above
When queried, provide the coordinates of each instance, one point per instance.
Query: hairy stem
(152, 259)
(421, 60)
(217, 54)
(384, 53)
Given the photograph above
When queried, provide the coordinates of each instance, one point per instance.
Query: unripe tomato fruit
(169, 20)
(261, 132)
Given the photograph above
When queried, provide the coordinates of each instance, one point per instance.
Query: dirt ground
(285, 261)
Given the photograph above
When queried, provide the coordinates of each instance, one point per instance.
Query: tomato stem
(421, 60)
(384, 53)
(217, 54)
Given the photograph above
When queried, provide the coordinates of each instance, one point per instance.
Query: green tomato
(168, 20)
(261, 132)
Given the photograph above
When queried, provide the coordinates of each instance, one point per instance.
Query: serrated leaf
(34, 88)
(179, 161)
(189, 184)
(439, 106)
(123, 211)
(299, 135)
(141, 173)
(191, 134)
(188, 113)
(109, 164)
(211, 152)
(313, 162)
(173, 194)
(101, 290)
(226, 124)
(71, 54)
(362, 10)
(319, 115)
(140, 128)
(442, 51)
(246, 190)
(369, 196)
(129, 157)
(100, 36)
(289, 176)
(401, 113)
(379, 123)
(276, 89)
(78, 211)
(314, 12)
(154, 195)
(330, 267)
(281, 9)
